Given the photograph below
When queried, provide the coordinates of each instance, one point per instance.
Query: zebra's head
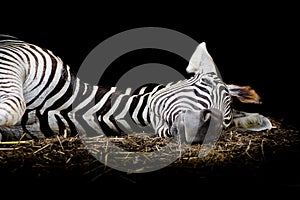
(199, 108)
(196, 126)
(212, 111)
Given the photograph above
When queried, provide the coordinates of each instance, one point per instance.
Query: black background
(256, 45)
(253, 45)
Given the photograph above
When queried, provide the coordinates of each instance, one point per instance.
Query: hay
(86, 161)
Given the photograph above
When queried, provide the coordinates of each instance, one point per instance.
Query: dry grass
(79, 159)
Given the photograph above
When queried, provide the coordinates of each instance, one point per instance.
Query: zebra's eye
(207, 81)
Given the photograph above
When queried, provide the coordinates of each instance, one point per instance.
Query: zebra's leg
(202, 126)
(245, 94)
(244, 121)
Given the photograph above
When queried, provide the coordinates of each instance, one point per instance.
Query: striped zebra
(42, 97)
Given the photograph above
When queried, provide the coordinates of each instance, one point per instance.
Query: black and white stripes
(41, 96)
(201, 92)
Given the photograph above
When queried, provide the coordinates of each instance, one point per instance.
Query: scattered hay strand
(73, 155)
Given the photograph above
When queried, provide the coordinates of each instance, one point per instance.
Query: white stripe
(125, 110)
(85, 88)
(142, 90)
(54, 98)
(86, 100)
(72, 98)
(89, 117)
(111, 112)
(100, 103)
(125, 125)
(78, 126)
(137, 109)
(128, 91)
(52, 121)
(35, 67)
(44, 77)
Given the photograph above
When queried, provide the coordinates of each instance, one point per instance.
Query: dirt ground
(260, 159)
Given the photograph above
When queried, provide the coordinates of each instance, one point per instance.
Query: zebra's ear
(201, 61)
(198, 58)
(244, 94)
(244, 121)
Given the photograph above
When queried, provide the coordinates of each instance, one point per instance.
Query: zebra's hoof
(244, 121)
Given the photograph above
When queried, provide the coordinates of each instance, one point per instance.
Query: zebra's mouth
(202, 126)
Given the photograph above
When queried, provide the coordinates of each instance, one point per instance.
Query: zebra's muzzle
(202, 126)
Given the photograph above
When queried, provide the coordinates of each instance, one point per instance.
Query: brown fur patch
(245, 94)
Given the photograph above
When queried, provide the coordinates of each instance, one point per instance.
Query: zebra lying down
(40, 97)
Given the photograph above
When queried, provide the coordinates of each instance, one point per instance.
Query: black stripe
(104, 109)
(62, 81)
(26, 52)
(24, 121)
(6, 86)
(227, 121)
(80, 97)
(12, 60)
(53, 71)
(141, 109)
(202, 97)
(71, 125)
(122, 103)
(13, 107)
(44, 124)
(16, 52)
(79, 114)
(61, 125)
(134, 103)
(149, 88)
